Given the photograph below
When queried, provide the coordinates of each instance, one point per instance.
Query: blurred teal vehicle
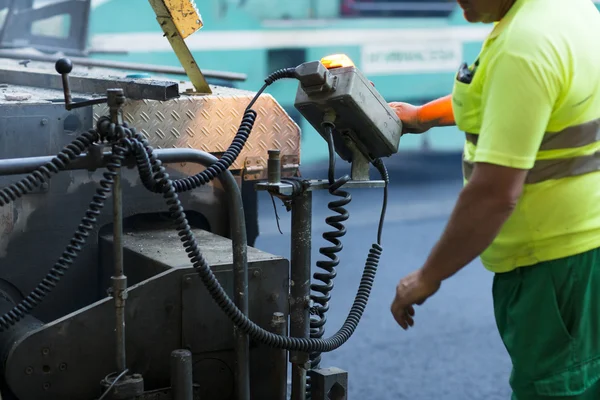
(409, 49)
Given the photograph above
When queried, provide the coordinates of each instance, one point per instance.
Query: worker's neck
(505, 6)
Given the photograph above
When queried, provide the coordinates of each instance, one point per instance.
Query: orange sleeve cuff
(438, 111)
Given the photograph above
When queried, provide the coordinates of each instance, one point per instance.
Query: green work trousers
(548, 317)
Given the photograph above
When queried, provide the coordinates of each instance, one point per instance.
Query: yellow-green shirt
(537, 77)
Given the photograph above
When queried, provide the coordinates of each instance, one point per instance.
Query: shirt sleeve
(517, 101)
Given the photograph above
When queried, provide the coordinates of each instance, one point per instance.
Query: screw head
(29, 370)
(62, 366)
(45, 351)
(46, 385)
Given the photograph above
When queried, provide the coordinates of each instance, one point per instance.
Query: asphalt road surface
(454, 351)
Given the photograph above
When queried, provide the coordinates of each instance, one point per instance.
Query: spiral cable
(78, 240)
(240, 320)
(45, 172)
(322, 296)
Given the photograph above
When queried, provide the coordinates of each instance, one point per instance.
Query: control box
(361, 114)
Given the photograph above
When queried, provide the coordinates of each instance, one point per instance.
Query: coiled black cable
(230, 155)
(80, 236)
(241, 321)
(45, 172)
(322, 296)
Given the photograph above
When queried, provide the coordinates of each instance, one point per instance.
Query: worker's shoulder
(551, 37)
(547, 30)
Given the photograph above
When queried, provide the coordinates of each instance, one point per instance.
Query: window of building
(398, 8)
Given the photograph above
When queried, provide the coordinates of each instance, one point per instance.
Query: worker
(529, 105)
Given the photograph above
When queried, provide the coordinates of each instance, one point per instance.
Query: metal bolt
(256, 273)
(29, 370)
(44, 121)
(277, 319)
(307, 302)
(46, 385)
(62, 366)
(274, 166)
(45, 351)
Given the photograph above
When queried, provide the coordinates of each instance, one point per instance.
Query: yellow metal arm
(178, 20)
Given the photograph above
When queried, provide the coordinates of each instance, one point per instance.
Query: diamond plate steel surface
(210, 122)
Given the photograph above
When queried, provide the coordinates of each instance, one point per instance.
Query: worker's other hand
(409, 115)
(412, 290)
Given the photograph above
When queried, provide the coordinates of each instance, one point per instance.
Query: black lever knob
(64, 66)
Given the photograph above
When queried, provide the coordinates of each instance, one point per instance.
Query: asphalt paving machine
(125, 270)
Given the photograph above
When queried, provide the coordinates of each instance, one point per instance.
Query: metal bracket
(329, 384)
(167, 22)
(360, 163)
(285, 189)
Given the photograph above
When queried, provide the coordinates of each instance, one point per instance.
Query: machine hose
(79, 238)
(226, 160)
(241, 321)
(45, 172)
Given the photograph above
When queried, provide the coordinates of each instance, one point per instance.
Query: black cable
(322, 296)
(378, 163)
(45, 172)
(218, 294)
(80, 236)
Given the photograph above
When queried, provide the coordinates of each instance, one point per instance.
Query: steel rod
(158, 69)
(279, 365)
(119, 279)
(182, 387)
(115, 101)
(300, 287)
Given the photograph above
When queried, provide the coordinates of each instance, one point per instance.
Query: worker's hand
(413, 289)
(409, 115)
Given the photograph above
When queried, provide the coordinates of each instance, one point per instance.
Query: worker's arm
(437, 112)
(518, 103)
(419, 119)
(483, 206)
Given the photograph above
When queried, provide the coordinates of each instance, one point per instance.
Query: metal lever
(64, 66)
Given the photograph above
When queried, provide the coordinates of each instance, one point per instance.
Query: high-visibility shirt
(531, 101)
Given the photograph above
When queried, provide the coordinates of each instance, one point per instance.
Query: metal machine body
(167, 308)
(73, 319)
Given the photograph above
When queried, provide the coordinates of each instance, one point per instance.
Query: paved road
(454, 351)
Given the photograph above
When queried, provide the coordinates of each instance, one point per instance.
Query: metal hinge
(255, 168)
(289, 165)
